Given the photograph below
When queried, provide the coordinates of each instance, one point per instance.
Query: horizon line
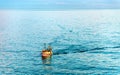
(62, 9)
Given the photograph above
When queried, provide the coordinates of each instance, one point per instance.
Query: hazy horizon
(59, 4)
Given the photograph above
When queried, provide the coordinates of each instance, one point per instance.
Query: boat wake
(80, 49)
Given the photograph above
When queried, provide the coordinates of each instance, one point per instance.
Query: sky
(59, 4)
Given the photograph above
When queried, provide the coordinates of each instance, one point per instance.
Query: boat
(46, 53)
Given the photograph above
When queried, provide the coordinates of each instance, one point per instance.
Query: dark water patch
(70, 49)
(115, 67)
(104, 52)
(71, 31)
(80, 49)
(76, 49)
(98, 48)
(115, 57)
(116, 47)
(95, 51)
(110, 52)
(63, 51)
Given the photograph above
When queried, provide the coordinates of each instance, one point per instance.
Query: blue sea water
(85, 42)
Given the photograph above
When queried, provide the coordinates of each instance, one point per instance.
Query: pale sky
(59, 4)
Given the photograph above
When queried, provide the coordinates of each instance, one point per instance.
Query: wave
(79, 49)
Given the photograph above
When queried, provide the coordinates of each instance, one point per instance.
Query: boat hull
(46, 54)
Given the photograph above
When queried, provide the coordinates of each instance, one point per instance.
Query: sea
(84, 42)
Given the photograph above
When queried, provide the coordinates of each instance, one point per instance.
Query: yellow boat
(46, 53)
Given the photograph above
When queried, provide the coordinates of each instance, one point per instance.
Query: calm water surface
(84, 42)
